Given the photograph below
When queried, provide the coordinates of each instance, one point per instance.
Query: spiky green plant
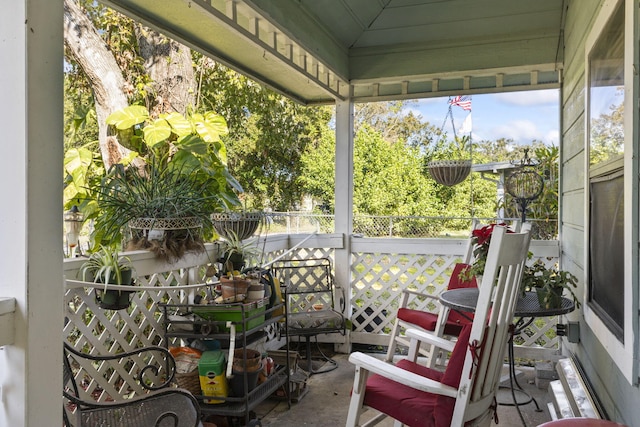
(106, 266)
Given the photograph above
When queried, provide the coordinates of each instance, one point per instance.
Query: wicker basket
(189, 381)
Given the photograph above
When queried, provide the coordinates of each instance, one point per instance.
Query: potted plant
(449, 162)
(549, 284)
(107, 266)
(480, 240)
(166, 199)
(244, 224)
(236, 251)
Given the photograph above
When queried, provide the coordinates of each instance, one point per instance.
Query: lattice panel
(379, 279)
(376, 284)
(100, 331)
(306, 283)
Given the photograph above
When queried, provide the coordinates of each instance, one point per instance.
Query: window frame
(625, 353)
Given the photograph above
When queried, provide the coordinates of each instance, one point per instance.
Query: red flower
(483, 235)
(481, 238)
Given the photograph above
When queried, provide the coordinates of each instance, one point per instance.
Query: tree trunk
(89, 50)
(170, 67)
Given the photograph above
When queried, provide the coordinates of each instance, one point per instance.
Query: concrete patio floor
(327, 401)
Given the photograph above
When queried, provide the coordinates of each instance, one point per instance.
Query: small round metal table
(527, 309)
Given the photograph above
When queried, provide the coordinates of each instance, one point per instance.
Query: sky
(521, 116)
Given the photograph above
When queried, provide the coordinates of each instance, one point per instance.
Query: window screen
(606, 250)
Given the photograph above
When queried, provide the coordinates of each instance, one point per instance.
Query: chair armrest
(387, 370)
(404, 298)
(419, 294)
(430, 338)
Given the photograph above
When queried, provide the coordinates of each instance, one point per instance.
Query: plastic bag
(186, 359)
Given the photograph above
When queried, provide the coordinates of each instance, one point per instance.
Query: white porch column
(344, 202)
(31, 54)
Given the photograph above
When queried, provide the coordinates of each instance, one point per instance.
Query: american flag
(461, 101)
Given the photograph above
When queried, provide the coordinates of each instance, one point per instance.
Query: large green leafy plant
(177, 168)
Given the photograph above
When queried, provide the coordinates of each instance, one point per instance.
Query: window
(606, 175)
(608, 188)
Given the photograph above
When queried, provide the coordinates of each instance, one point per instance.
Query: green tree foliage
(388, 179)
(268, 134)
(280, 151)
(607, 135)
(387, 176)
(318, 171)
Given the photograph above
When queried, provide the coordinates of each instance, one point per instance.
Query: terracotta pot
(233, 287)
(252, 362)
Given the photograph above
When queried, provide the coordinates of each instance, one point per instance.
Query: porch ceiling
(314, 50)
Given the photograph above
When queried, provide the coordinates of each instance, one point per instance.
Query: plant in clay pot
(107, 266)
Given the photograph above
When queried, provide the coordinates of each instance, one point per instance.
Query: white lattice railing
(380, 269)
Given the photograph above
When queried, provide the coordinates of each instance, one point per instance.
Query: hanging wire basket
(242, 224)
(449, 172)
(183, 223)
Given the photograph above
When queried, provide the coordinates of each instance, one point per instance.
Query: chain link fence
(393, 226)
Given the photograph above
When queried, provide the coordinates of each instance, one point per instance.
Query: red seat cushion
(416, 408)
(455, 321)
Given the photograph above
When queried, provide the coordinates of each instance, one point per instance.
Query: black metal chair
(309, 292)
(137, 386)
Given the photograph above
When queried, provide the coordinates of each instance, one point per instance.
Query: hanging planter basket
(185, 223)
(168, 238)
(449, 172)
(242, 224)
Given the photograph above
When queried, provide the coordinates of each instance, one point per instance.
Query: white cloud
(522, 132)
(552, 138)
(528, 98)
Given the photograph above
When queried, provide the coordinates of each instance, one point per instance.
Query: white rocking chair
(415, 395)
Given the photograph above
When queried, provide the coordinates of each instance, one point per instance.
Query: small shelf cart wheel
(255, 423)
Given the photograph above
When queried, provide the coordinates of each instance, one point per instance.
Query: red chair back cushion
(455, 282)
(455, 321)
(452, 376)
